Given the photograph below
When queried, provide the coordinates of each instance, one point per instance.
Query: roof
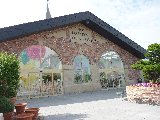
(86, 18)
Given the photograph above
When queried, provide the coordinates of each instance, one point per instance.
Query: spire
(48, 14)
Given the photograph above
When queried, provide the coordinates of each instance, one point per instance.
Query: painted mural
(40, 72)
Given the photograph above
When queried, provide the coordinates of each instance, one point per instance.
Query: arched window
(111, 70)
(40, 72)
(39, 57)
(82, 72)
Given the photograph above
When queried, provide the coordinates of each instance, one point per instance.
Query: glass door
(34, 84)
(41, 72)
(111, 70)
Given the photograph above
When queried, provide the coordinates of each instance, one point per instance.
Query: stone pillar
(95, 78)
(68, 79)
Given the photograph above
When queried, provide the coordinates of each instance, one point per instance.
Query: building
(71, 54)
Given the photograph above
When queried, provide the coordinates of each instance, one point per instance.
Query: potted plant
(34, 111)
(20, 108)
(6, 107)
(9, 77)
(24, 116)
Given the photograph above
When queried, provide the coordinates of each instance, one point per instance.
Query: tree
(151, 64)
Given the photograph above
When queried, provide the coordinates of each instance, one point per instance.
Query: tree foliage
(9, 75)
(6, 105)
(151, 64)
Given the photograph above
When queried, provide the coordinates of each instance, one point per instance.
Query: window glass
(81, 69)
(111, 70)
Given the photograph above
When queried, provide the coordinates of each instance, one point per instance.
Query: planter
(34, 111)
(24, 116)
(143, 94)
(20, 107)
(8, 116)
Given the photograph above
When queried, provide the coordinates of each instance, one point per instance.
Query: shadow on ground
(73, 98)
(67, 116)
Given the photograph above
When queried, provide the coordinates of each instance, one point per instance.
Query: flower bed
(144, 93)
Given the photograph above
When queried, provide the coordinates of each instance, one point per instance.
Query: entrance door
(41, 72)
(111, 70)
(111, 79)
(39, 84)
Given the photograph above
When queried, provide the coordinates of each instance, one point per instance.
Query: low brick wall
(141, 94)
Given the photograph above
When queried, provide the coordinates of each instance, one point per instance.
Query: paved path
(100, 105)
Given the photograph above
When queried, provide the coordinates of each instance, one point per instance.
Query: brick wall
(72, 40)
(143, 94)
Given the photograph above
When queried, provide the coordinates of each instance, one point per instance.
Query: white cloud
(137, 19)
(15, 12)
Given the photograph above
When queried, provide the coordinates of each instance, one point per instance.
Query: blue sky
(137, 19)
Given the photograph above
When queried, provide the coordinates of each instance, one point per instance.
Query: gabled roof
(86, 18)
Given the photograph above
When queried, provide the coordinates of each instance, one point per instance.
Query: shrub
(9, 75)
(6, 105)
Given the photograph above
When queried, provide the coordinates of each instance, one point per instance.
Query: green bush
(6, 105)
(151, 65)
(9, 75)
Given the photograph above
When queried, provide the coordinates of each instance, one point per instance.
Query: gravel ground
(99, 105)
